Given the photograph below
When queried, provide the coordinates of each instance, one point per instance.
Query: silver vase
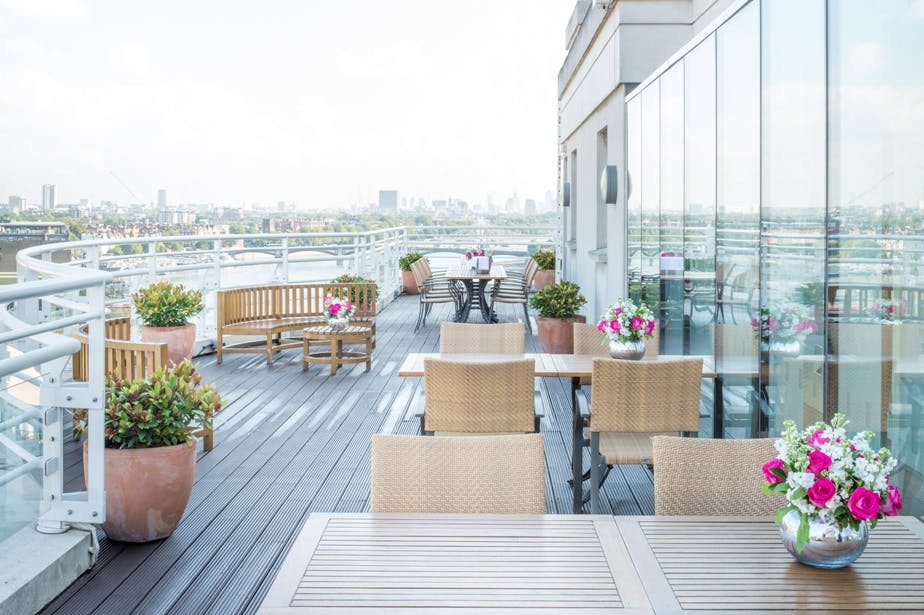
(828, 546)
(338, 324)
(630, 351)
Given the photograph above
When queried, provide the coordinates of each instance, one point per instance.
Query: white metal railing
(63, 286)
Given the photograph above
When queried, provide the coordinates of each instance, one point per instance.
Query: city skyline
(317, 105)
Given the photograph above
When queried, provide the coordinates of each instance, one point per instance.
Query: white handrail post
(285, 260)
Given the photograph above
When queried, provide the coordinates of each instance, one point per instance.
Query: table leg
(368, 353)
(334, 344)
(306, 350)
(718, 407)
(577, 449)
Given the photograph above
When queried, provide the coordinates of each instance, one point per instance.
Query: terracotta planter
(556, 335)
(147, 490)
(409, 283)
(180, 340)
(543, 278)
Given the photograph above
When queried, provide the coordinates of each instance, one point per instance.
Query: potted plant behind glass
(556, 306)
(150, 454)
(545, 259)
(164, 308)
(407, 277)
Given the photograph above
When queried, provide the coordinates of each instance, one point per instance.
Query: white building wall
(630, 41)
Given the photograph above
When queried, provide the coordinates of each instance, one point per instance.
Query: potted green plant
(164, 308)
(545, 260)
(407, 277)
(150, 454)
(556, 306)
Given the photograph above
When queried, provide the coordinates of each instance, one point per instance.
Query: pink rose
(821, 491)
(601, 326)
(333, 309)
(614, 325)
(755, 323)
(769, 474)
(468, 255)
(893, 502)
(818, 461)
(649, 328)
(618, 311)
(774, 324)
(817, 439)
(637, 323)
(863, 504)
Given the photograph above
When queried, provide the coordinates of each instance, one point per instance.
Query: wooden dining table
(473, 285)
(434, 563)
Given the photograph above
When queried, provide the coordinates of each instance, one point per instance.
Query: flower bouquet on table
(786, 325)
(338, 311)
(889, 311)
(469, 254)
(837, 488)
(627, 326)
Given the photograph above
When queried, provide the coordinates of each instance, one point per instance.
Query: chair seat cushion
(628, 448)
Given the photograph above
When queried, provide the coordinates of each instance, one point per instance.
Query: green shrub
(161, 410)
(545, 259)
(409, 259)
(348, 278)
(164, 304)
(558, 300)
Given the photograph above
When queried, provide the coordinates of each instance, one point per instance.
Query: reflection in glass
(651, 194)
(875, 241)
(671, 218)
(792, 207)
(699, 192)
(737, 220)
(634, 198)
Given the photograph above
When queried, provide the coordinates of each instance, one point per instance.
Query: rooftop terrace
(289, 443)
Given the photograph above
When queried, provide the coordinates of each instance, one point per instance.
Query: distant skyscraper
(48, 197)
(17, 203)
(161, 199)
(529, 206)
(388, 199)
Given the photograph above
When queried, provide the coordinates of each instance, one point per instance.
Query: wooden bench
(126, 359)
(272, 311)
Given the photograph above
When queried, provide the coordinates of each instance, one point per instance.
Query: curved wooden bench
(126, 359)
(274, 310)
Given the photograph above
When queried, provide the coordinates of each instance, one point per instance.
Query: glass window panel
(634, 198)
(671, 216)
(651, 193)
(738, 215)
(793, 139)
(875, 241)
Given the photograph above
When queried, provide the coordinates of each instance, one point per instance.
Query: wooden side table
(333, 341)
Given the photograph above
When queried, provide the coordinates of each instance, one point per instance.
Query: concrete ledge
(34, 567)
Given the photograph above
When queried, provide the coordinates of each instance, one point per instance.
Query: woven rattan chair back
(419, 270)
(588, 340)
(479, 397)
(700, 476)
(501, 338)
(479, 474)
(646, 396)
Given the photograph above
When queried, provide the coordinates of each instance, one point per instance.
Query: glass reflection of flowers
(338, 309)
(784, 323)
(626, 322)
(888, 311)
(832, 481)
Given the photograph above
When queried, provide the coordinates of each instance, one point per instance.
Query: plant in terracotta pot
(164, 308)
(556, 306)
(545, 260)
(407, 277)
(150, 454)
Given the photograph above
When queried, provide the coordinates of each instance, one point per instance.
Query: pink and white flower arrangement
(338, 308)
(832, 481)
(889, 311)
(475, 252)
(785, 322)
(626, 322)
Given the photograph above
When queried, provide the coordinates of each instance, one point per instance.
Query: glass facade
(776, 217)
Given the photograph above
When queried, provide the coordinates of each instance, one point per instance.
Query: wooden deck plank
(289, 443)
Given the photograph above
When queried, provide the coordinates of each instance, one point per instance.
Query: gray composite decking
(289, 443)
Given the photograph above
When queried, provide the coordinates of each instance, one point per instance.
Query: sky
(311, 102)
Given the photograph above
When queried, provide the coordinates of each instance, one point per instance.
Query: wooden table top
(584, 564)
(413, 364)
(465, 272)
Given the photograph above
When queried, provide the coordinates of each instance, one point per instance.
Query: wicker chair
(481, 474)
(588, 340)
(516, 290)
(634, 400)
(502, 338)
(479, 397)
(432, 290)
(700, 476)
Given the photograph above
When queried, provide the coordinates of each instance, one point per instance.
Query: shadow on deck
(289, 443)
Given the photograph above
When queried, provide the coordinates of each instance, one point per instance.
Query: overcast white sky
(321, 103)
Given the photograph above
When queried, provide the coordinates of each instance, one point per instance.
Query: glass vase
(828, 546)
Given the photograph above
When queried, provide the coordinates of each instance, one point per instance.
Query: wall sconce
(609, 184)
(566, 194)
